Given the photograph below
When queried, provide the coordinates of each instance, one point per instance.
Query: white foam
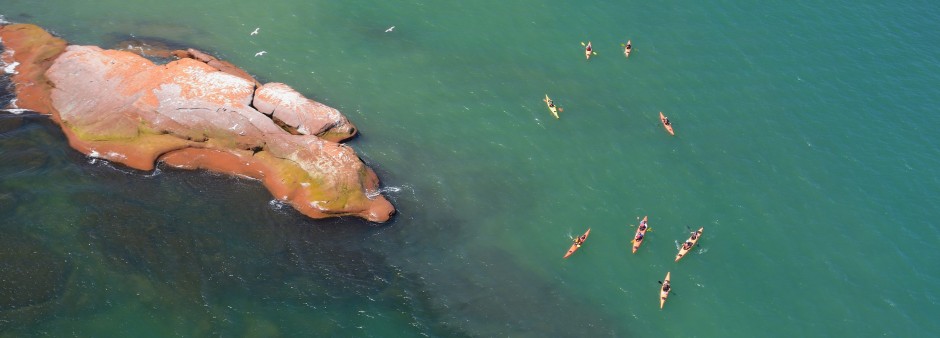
(15, 111)
(276, 204)
(113, 155)
(9, 68)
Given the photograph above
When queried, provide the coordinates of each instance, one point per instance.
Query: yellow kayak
(551, 106)
(664, 291)
(692, 239)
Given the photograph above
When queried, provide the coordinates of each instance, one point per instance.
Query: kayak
(627, 49)
(666, 123)
(551, 107)
(637, 243)
(683, 251)
(588, 50)
(663, 293)
(574, 247)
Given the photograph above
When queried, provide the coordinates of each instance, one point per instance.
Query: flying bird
(255, 32)
(390, 29)
(260, 53)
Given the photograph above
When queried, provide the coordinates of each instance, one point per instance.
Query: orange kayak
(645, 227)
(666, 123)
(574, 247)
(694, 239)
(663, 292)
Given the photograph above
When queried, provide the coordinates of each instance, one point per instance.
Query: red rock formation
(308, 117)
(32, 50)
(196, 112)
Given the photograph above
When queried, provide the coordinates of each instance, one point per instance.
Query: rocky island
(193, 112)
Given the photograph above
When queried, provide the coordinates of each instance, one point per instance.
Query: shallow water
(806, 154)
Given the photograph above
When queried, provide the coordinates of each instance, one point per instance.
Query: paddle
(585, 45)
(670, 290)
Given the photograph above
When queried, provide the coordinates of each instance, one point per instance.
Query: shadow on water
(204, 254)
(32, 277)
(186, 252)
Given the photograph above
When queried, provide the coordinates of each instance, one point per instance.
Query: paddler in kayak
(579, 240)
(639, 234)
(666, 286)
(687, 245)
(627, 48)
(588, 50)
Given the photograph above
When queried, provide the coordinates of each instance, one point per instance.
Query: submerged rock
(195, 112)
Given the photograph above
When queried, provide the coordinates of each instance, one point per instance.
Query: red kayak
(577, 243)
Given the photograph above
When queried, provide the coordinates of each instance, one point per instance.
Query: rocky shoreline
(193, 112)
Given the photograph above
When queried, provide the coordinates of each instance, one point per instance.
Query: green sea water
(805, 145)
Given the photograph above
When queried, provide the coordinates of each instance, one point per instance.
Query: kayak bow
(574, 247)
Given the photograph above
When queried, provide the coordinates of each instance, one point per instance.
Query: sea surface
(806, 146)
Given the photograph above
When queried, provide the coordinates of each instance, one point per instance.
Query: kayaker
(551, 103)
(687, 245)
(666, 286)
(579, 240)
(695, 235)
(666, 121)
(642, 226)
(639, 237)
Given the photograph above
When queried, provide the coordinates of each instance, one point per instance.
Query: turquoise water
(805, 146)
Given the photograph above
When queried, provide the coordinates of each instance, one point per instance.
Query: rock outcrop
(195, 112)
